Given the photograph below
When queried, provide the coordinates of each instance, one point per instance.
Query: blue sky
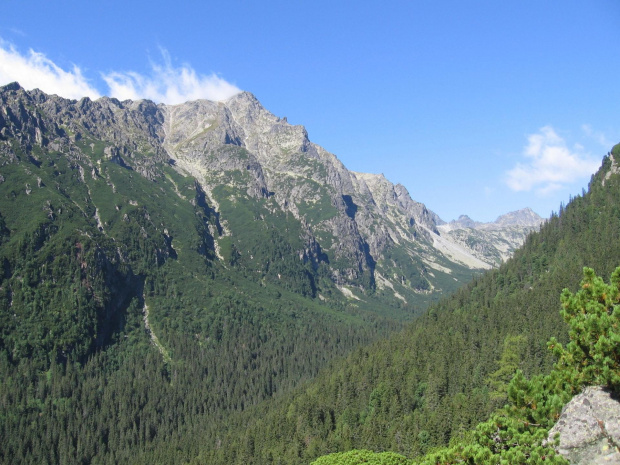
(476, 107)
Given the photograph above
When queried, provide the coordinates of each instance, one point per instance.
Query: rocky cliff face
(362, 221)
(359, 230)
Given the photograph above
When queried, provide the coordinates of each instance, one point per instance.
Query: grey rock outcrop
(465, 221)
(131, 130)
(589, 428)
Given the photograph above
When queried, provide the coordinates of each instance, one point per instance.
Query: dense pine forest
(446, 372)
(523, 431)
(81, 380)
(121, 340)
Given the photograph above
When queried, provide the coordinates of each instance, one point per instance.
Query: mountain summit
(524, 217)
(359, 230)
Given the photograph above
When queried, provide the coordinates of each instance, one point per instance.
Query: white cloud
(35, 70)
(550, 164)
(165, 83)
(169, 85)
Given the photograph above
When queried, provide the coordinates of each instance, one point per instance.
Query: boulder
(589, 428)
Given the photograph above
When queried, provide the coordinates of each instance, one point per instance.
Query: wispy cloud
(34, 70)
(550, 164)
(597, 136)
(164, 84)
(167, 84)
(16, 31)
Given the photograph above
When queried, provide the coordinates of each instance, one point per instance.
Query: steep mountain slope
(449, 369)
(361, 229)
(114, 305)
(354, 232)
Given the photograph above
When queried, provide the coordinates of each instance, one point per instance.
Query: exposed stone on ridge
(493, 242)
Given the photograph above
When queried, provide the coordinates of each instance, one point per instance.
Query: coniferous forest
(432, 383)
(117, 346)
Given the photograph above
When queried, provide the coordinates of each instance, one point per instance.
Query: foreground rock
(589, 428)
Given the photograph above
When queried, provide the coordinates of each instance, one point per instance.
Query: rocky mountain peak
(464, 221)
(12, 86)
(492, 242)
(248, 111)
(524, 217)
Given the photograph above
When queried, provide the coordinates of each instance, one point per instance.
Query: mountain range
(365, 232)
(471, 354)
(168, 269)
(495, 242)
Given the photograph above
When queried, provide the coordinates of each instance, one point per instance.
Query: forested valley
(121, 332)
(447, 371)
(133, 329)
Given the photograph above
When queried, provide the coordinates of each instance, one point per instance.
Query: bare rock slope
(493, 242)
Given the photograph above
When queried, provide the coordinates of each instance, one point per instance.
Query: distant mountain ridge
(496, 241)
(525, 217)
(430, 384)
(374, 215)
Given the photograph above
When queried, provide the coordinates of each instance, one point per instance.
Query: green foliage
(88, 242)
(512, 356)
(517, 433)
(266, 242)
(86, 245)
(316, 210)
(615, 151)
(361, 457)
(592, 357)
(398, 260)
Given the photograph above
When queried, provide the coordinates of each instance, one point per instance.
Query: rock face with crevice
(589, 428)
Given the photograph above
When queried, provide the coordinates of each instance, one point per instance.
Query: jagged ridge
(364, 232)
